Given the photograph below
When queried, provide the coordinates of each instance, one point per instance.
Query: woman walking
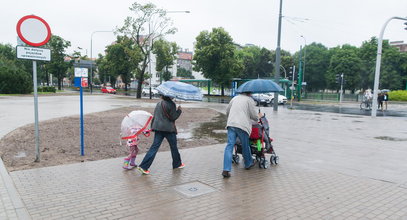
(163, 124)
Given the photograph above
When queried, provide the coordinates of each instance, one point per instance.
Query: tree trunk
(47, 77)
(222, 89)
(59, 83)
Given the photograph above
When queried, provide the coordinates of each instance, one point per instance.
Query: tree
(149, 24)
(345, 61)
(393, 74)
(317, 62)
(216, 56)
(182, 72)
(165, 55)
(104, 70)
(57, 66)
(122, 59)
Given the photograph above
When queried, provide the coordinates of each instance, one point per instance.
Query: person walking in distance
(241, 113)
(385, 99)
(163, 125)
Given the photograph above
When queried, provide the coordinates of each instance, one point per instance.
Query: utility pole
(292, 87)
(278, 58)
(340, 96)
(299, 81)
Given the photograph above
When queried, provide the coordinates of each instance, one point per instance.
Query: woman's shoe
(145, 172)
(226, 174)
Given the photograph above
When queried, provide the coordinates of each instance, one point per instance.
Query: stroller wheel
(266, 164)
(236, 159)
(274, 159)
(261, 162)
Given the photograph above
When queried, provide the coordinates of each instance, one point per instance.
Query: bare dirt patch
(60, 138)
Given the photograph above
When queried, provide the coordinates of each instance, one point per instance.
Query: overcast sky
(330, 22)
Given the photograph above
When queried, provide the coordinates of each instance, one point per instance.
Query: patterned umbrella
(180, 90)
(134, 123)
(259, 86)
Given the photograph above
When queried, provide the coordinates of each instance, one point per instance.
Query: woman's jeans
(234, 132)
(158, 139)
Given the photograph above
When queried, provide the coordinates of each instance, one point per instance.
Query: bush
(399, 95)
(47, 89)
(14, 79)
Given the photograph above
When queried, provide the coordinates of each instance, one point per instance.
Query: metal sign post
(81, 81)
(35, 32)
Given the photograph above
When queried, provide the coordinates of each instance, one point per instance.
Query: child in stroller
(260, 144)
(132, 144)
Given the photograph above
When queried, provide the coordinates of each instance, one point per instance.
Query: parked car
(281, 99)
(108, 89)
(261, 99)
(146, 91)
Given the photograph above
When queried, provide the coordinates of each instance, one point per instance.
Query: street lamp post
(91, 56)
(151, 42)
(278, 58)
(285, 72)
(378, 60)
(305, 52)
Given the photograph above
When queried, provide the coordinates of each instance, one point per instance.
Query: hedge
(47, 89)
(399, 95)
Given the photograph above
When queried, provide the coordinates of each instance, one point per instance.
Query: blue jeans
(158, 139)
(234, 132)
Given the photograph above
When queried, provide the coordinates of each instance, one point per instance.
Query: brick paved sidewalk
(103, 190)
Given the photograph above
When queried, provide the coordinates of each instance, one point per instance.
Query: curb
(19, 206)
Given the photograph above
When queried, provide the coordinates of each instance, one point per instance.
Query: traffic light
(338, 78)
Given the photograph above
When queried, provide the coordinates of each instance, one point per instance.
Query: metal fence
(332, 97)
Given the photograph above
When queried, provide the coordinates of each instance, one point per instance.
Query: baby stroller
(260, 144)
(132, 126)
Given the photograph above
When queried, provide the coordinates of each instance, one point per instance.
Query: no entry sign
(33, 30)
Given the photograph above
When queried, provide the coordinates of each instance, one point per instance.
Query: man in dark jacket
(163, 124)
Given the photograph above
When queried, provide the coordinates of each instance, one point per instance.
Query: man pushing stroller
(241, 113)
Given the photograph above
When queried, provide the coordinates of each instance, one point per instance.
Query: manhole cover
(194, 189)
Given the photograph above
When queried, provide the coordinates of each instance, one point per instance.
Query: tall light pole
(91, 56)
(305, 51)
(285, 72)
(378, 61)
(278, 58)
(151, 44)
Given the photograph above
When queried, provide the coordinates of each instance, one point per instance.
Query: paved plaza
(332, 166)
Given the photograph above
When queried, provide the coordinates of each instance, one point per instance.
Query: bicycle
(366, 104)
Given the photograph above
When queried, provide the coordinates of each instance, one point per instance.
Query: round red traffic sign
(33, 30)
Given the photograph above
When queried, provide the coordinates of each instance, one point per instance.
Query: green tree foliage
(316, 62)
(148, 24)
(165, 55)
(122, 59)
(216, 57)
(287, 60)
(184, 73)
(57, 66)
(250, 57)
(14, 75)
(346, 61)
(105, 75)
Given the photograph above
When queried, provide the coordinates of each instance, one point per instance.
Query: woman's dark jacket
(165, 114)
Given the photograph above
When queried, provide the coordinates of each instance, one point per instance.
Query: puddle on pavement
(387, 138)
(184, 135)
(214, 129)
(20, 154)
